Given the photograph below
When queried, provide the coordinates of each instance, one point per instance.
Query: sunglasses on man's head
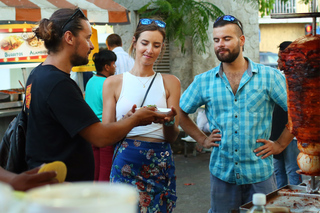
(74, 15)
(147, 21)
(231, 19)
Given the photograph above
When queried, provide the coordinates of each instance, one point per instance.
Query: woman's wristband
(169, 123)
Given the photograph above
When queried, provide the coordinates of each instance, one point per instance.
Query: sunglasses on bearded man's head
(78, 12)
(230, 19)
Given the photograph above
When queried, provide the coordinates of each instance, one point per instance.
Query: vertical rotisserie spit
(301, 62)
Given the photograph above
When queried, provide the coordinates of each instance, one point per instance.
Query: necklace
(100, 74)
(144, 84)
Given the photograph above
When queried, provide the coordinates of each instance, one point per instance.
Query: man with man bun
(61, 125)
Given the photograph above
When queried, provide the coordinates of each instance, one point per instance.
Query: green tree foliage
(184, 18)
(265, 6)
(190, 18)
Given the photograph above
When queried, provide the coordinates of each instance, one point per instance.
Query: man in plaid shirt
(239, 96)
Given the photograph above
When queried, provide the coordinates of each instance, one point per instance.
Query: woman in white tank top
(144, 159)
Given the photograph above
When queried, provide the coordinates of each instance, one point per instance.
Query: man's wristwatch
(169, 123)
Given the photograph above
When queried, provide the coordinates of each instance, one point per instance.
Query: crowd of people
(117, 134)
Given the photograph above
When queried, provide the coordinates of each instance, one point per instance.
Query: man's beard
(77, 60)
(228, 58)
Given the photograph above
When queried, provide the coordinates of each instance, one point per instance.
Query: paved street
(193, 183)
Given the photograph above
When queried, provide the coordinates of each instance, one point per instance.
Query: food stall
(21, 52)
(301, 62)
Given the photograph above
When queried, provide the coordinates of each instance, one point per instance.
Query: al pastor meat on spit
(301, 64)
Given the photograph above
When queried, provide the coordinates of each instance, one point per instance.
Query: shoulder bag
(13, 144)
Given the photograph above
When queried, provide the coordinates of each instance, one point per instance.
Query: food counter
(295, 198)
(10, 105)
(9, 112)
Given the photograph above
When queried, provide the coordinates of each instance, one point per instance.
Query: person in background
(61, 125)
(27, 180)
(239, 96)
(144, 159)
(285, 163)
(203, 125)
(124, 61)
(86, 77)
(104, 62)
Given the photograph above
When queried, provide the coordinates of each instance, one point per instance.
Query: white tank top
(132, 92)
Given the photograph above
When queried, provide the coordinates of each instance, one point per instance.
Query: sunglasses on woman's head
(147, 21)
(77, 12)
(230, 19)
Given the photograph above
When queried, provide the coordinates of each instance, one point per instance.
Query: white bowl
(6, 197)
(83, 197)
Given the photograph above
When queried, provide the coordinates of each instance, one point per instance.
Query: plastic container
(6, 197)
(82, 197)
(259, 201)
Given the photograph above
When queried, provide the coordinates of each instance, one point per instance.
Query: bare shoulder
(113, 80)
(170, 79)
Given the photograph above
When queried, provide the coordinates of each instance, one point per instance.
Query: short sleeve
(279, 90)
(69, 108)
(192, 99)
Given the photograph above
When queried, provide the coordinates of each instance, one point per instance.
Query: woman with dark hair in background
(144, 159)
(104, 62)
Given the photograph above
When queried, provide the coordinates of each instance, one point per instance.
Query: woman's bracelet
(169, 123)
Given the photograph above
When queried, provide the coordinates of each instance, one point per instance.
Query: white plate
(161, 110)
(164, 110)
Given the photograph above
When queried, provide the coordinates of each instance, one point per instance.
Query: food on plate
(159, 110)
(57, 166)
(33, 41)
(302, 69)
(11, 42)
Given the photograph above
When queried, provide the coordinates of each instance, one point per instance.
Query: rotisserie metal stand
(292, 197)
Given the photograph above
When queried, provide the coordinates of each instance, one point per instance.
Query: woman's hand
(170, 116)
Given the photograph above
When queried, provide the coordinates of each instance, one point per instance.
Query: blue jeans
(285, 166)
(227, 197)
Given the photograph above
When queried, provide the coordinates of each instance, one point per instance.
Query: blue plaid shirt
(242, 119)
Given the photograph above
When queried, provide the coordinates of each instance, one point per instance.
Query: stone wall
(126, 31)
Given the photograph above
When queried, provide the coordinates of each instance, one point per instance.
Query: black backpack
(13, 145)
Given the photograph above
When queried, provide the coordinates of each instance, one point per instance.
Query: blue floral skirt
(148, 166)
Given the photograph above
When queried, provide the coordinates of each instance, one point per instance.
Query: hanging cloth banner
(97, 11)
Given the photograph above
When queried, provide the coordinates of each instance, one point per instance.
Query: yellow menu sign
(19, 46)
